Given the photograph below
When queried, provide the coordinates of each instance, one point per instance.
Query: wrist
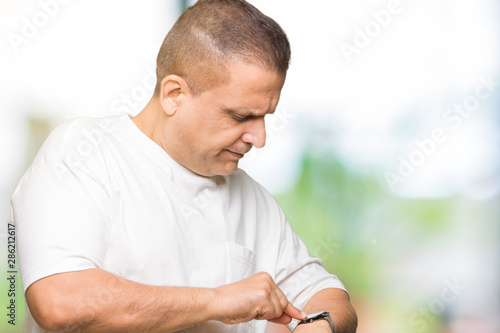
(318, 326)
(319, 319)
(212, 305)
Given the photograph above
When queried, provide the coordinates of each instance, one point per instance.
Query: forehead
(249, 88)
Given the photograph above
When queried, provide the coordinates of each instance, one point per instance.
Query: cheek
(233, 135)
(224, 133)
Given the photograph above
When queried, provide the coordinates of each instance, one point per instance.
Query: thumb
(293, 312)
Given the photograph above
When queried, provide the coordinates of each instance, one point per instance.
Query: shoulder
(74, 139)
(72, 147)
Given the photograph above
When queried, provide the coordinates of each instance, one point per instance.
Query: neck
(151, 121)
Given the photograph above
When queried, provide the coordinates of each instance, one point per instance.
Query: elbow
(60, 320)
(352, 319)
(354, 322)
(54, 321)
(59, 314)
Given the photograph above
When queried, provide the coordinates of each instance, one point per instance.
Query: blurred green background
(420, 256)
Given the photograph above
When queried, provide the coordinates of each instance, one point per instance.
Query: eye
(238, 118)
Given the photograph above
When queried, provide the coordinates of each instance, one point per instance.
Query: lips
(239, 152)
(239, 155)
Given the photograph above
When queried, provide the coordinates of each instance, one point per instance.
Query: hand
(256, 297)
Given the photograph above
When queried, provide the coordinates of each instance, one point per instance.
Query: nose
(255, 133)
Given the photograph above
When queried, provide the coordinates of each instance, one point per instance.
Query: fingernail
(303, 314)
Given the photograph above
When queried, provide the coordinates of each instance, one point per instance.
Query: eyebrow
(246, 112)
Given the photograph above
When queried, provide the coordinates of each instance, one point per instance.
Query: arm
(335, 301)
(97, 301)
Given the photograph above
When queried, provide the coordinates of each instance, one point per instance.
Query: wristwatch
(318, 316)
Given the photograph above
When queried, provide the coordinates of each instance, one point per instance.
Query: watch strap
(330, 322)
(325, 316)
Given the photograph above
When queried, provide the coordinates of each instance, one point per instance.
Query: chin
(226, 169)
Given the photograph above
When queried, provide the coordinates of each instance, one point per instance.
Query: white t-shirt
(101, 194)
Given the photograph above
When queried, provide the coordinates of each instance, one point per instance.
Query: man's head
(213, 33)
(220, 71)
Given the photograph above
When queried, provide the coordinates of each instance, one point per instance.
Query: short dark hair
(211, 33)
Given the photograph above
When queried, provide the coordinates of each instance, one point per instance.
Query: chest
(163, 235)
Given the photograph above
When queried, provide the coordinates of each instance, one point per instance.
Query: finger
(293, 312)
(272, 309)
(273, 304)
(277, 303)
(284, 319)
(288, 307)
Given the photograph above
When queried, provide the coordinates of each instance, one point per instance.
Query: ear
(173, 87)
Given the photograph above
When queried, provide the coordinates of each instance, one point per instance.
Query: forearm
(335, 301)
(97, 301)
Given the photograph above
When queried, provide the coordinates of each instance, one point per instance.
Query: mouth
(235, 154)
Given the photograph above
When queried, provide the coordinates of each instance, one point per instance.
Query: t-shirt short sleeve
(61, 215)
(298, 274)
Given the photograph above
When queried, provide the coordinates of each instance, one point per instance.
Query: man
(147, 224)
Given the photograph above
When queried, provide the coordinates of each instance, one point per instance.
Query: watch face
(317, 315)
